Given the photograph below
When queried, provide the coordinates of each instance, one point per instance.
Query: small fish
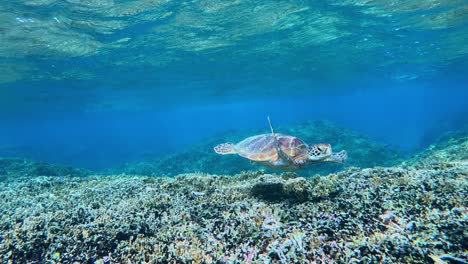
(24, 20)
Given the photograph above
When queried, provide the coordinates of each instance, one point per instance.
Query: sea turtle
(280, 151)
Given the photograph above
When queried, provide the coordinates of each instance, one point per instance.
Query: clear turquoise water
(98, 83)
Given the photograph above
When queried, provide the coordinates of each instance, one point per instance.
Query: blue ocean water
(98, 83)
(113, 114)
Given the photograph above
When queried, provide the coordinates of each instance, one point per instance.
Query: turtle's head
(319, 151)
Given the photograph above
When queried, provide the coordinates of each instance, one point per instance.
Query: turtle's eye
(319, 149)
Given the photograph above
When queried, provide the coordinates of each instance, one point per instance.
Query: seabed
(414, 212)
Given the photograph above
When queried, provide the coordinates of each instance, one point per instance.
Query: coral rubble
(385, 215)
(415, 212)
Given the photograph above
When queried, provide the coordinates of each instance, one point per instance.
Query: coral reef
(374, 215)
(362, 152)
(450, 149)
(293, 187)
(24, 167)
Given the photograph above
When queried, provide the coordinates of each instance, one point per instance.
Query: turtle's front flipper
(339, 157)
(283, 156)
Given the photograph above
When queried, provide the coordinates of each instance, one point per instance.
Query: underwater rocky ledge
(415, 212)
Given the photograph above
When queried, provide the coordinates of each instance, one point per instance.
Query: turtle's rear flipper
(339, 157)
(225, 148)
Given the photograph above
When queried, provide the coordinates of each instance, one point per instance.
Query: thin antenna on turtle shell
(281, 154)
(271, 127)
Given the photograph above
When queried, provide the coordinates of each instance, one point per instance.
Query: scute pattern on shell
(262, 147)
